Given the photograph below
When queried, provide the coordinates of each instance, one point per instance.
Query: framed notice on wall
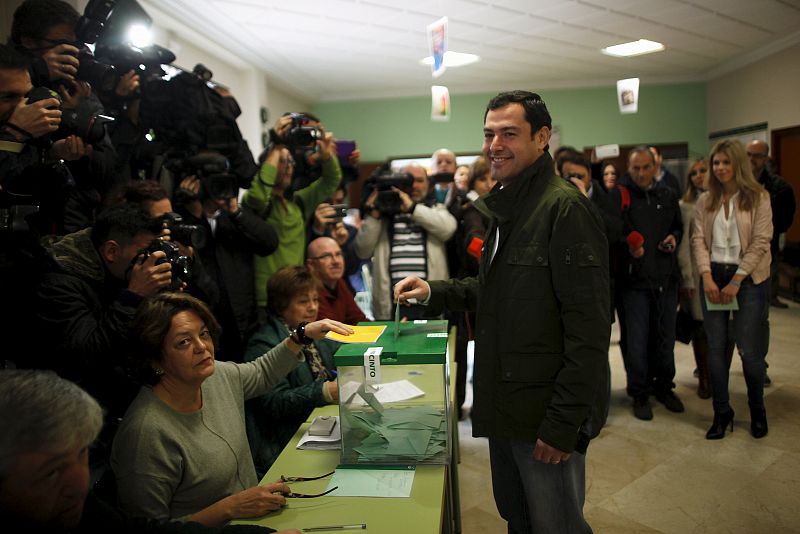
(743, 134)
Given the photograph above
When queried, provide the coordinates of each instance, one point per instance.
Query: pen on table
(359, 526)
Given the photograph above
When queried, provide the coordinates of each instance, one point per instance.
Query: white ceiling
(352, 49)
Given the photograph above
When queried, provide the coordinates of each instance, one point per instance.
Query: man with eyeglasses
(782, 201)
(326, 262)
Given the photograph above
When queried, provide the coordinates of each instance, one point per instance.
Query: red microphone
(635, 240)
(475, 246)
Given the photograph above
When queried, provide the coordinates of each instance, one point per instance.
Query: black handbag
(685, 326)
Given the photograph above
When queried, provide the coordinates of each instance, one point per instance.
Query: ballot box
(393, 396)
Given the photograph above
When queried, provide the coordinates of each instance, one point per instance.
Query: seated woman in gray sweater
(181, 451)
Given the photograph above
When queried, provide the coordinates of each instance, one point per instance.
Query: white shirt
(725, 244)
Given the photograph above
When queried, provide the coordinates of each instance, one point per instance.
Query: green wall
(586, 117)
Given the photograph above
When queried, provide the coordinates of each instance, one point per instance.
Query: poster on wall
(440, 103)
(437, 45)
(628, 95)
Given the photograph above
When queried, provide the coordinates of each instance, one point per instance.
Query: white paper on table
(366, 482)
(322, 443)
(390, 392)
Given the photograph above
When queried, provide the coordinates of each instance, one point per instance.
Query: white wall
(280, 102)
(764, 91)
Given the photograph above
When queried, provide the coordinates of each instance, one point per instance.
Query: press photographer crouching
(405, 233)
(95, 279)
(234, 234)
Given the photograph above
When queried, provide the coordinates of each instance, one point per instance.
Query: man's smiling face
(509, 143)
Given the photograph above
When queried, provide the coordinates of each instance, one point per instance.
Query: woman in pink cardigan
(732, 231)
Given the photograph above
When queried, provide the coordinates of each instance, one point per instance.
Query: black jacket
(83, 315)
(655, 214)
(781, 198)
(228, 259)
(543, 305)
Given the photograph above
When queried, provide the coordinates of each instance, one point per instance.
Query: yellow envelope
(361, 334)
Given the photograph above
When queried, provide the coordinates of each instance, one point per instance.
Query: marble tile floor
(663, 476)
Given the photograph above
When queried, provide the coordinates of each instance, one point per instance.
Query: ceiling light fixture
(634, 48)
(453, 59)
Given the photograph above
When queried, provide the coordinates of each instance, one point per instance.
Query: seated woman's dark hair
(285, 284)
(150, 325)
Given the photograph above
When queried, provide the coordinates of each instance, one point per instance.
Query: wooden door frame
(775, 144)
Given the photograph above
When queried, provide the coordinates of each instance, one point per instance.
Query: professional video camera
(190, 235)
(388, 201)
(181, 271)
(213, 171)
(89, 126)
(145, 61)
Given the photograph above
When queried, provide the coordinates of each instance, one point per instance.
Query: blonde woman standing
(732, 229)
(689, 298)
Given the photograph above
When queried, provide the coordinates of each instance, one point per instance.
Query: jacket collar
(503, 203)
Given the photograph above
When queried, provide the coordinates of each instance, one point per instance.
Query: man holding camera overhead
(405, 233)
(269, 194)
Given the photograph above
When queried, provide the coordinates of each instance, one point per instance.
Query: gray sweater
(169, 465)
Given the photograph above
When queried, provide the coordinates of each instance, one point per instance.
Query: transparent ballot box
(393, 396)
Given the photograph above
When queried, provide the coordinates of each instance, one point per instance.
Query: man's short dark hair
(10, 59)
(641, 149)
(535, 109)
(34, 18)
(122, 223)
(576, 158)
(142, 191)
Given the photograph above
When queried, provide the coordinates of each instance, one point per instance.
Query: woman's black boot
(758, 422)
(721, 422)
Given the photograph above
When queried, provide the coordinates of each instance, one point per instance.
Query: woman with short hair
(273, 418)
(181, 452)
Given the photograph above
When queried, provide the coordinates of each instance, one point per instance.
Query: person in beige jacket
(732, 229)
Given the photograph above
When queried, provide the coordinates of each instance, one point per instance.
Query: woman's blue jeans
(749, 329)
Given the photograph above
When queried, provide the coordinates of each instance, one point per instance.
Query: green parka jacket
(543, 320)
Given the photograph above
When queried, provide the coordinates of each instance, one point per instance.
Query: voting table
(432, 506)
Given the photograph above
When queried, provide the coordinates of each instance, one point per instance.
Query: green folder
(731, 306)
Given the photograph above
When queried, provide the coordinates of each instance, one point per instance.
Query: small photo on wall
(628, 95)
(437, 45)
(440, 103)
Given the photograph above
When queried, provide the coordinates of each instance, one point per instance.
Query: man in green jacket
(541, 373)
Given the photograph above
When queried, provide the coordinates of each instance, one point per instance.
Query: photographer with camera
(27, 161)
(235, 234)
(299, 131)
(31, 190)
(46, 31)
(289, 214)
(404, 234)
(94, 282)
